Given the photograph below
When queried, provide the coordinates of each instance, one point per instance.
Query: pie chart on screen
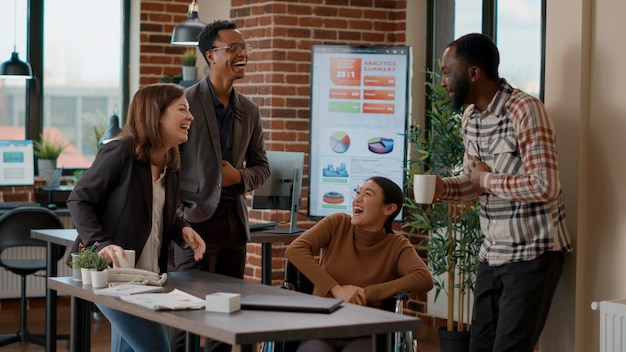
(380, 145)
(339, 142)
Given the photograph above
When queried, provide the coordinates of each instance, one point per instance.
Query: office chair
(296, 281)
(15, 226)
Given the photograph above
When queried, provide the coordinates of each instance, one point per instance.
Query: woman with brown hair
(127, 200)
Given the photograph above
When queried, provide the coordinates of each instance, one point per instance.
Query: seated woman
(361, 260)
(127, 200)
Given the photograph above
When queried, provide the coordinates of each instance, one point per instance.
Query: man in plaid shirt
(510, 163)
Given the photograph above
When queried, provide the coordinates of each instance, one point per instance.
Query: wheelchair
(296, 281)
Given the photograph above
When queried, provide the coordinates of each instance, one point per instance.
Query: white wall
(585, 72)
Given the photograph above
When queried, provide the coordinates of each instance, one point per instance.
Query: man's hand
(230, 175)
(195, 242)
(350, 294)
(478, 169)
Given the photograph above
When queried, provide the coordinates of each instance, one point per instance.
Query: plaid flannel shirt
(522, 214)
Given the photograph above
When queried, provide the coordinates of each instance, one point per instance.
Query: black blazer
(112, 202)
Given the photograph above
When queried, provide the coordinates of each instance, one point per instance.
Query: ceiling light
(14, 67)
(186, 33)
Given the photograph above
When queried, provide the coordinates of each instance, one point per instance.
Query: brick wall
(277, 79)
(278, 73)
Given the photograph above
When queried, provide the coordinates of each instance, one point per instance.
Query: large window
(82, 68)
(12, 91)
(516, 26)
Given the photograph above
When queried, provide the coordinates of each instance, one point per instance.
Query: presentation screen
(359, 113)
(17, 166)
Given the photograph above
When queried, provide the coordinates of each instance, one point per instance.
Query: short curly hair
(208, 36)
(477, 49)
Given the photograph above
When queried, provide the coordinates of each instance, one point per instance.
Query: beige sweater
(383, 264)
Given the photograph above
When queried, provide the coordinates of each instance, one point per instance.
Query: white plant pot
(99, 279)
(85, 274)
(45, 165)
(190, 73)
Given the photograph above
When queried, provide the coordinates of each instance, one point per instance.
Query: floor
(100, 330)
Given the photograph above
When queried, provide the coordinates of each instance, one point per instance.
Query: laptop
(291, 303)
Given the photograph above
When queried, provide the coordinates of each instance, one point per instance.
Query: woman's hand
(109, 253)
(195, 242)
(350, 294)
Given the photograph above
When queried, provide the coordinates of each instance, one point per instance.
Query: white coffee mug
(129, 261)
(424, 188)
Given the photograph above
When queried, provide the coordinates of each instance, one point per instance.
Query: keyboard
(13, 205)
(261, 226)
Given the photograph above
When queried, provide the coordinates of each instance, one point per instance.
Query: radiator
(10, 284)
(612, 325)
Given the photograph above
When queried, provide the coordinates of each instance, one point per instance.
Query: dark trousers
(225, 239)
(511, 303)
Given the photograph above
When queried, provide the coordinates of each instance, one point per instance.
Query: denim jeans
(130, 333)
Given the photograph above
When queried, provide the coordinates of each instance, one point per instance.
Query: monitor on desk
(17, 165)
(281, 191)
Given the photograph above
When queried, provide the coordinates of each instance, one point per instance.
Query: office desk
(246, 327)
(66, 238)
(63, 237)
(266, 239)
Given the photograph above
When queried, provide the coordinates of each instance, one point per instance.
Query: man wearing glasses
(223, 159)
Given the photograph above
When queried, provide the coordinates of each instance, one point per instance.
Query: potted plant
(453, 228)
(99, 276)
(190, 71)
(85, 260)
(47, 150)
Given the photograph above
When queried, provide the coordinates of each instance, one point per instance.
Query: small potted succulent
(85, 260)
(190, 71)
(99, 276)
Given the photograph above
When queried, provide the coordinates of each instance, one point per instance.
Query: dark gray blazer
(201, 155)
(112, 202)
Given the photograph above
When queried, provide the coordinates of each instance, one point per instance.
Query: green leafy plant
(87, 258)
(189, 57)
(453, 228)
(48, 148)
(101, 263)
(171, 79)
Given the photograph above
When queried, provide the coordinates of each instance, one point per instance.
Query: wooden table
(243, 328)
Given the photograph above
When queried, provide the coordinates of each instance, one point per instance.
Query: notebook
(291, 303)
(127, 289)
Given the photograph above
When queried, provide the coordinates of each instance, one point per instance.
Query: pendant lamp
(14, 67)
(112, 130)
(186, 33)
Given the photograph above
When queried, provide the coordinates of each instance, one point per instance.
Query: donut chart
(339, 142)
(380, 145)
(333, 198)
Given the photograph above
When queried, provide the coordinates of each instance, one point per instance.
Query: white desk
(246, 327)
(52, 237)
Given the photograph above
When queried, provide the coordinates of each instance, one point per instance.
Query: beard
(460, 93)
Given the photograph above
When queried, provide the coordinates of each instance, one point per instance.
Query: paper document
(173, 300)
(127, 289)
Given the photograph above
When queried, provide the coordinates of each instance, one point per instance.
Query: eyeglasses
(235, 48)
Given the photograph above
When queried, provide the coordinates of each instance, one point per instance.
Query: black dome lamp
(14, 67)
(186, 33)
(112, 130)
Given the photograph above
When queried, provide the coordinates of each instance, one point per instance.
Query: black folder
(291, 303)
